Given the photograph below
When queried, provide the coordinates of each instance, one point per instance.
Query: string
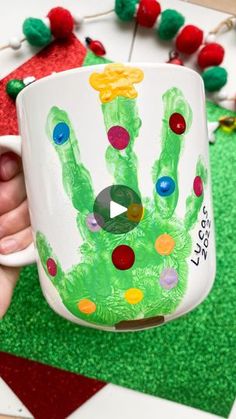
(7, 45)
(99, 14)
(94, 16)
(228, 24)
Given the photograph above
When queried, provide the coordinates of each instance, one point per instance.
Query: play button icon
(118, 209)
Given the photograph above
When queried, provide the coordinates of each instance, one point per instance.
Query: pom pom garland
(211, 55)
(61, 22)
(125, 10)
(214, 78)
(36, 32)
(189, 39)
(170, 22)
(147, 13)
(15, 43)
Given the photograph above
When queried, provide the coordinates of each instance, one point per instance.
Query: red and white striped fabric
(33, 390)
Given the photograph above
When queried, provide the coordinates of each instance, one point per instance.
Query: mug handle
(28, 255)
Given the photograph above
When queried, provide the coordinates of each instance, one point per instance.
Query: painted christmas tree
(132, 280)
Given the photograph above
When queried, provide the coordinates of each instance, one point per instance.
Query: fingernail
(8, 245)
(9, 165)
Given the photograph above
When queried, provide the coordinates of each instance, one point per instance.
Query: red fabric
(189, 39)
(147, 13)
(57, 57)
(61, 22)
(211, 55)
(46, 391)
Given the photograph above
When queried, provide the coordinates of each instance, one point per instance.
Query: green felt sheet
(190, 360)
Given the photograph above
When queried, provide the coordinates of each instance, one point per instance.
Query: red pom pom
(147, 13)
(211, 55)
(61, 22)
(189, 39)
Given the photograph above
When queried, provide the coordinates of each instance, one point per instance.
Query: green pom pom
(214, 78)
(36, 32)
(14, 87)
(171, 21)
(125, 9)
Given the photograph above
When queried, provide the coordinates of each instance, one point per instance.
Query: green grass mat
(191, 360)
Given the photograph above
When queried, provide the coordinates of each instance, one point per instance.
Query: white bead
(46, 22)
(136, 10)
(14, 43)
(158, 21)
(28, 80)
(209, 38)
(221, 95)
(78, 20)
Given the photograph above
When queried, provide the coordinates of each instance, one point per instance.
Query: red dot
(198, 186)
(177, 123)
(118, 137)
(123, 257)
(52, 267)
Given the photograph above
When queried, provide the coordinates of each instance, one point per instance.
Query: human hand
(15, 230)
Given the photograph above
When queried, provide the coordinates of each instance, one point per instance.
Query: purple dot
(92, 223)
(118, 137)
(51, 267)
(169, 278)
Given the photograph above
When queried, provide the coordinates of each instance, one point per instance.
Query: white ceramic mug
(141, 127)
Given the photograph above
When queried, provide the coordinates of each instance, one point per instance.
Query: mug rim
(82, 69)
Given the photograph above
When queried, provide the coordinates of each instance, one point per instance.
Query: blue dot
(165, 186)
(61, 133)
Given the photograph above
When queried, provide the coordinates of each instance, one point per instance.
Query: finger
(16, 242)
(8, 279)
(165, 168)
(10, 166)
(12, 193)
(195, 200)
(16, 220)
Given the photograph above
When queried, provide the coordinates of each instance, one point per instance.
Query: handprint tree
(132, 280)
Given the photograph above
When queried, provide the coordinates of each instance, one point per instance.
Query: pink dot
(52, 267)
(118, 137)
(198, 186)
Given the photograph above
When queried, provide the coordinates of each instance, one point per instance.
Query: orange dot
(86, 306)
(135, 212)
(164, 244)
(133, 295)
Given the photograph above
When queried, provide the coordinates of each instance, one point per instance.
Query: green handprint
(153, 278)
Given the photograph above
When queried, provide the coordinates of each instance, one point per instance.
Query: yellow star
(116, 80)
